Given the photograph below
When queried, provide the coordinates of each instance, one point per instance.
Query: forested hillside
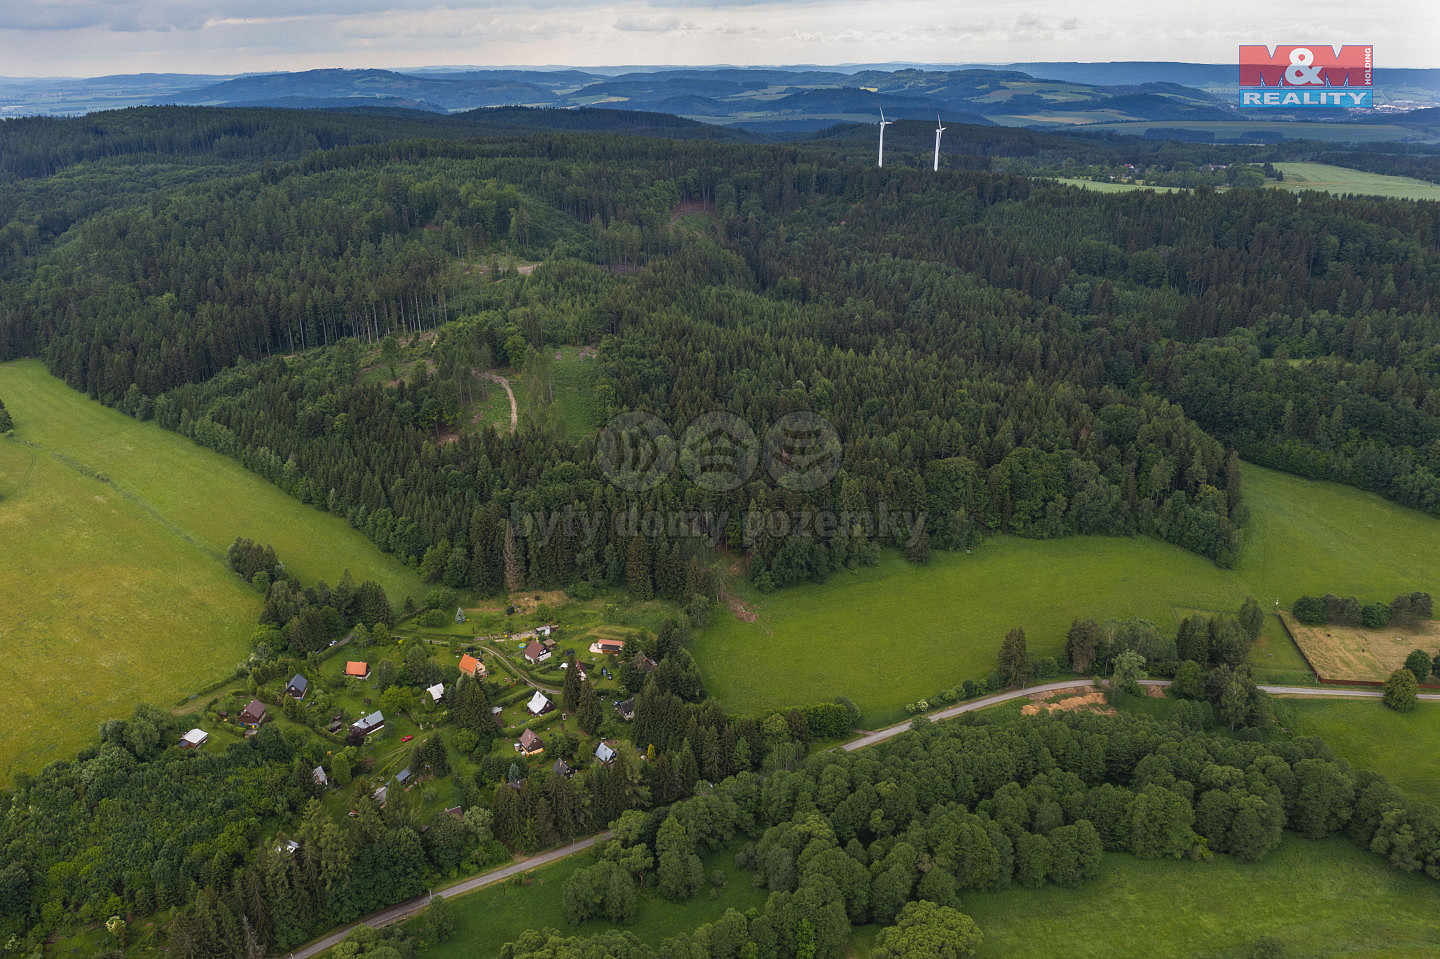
(1000, 354)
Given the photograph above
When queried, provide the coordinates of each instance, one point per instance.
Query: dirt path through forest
(514, 410)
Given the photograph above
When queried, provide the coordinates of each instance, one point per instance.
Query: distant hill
(769, 98)
(443, 95)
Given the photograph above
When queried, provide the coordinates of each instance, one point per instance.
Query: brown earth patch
(529, 602)
(741, 613)
(1356, 653)
(1092, 702)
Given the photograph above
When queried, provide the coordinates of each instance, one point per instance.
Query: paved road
(407, 909)
(870, 739)
(1333, 692)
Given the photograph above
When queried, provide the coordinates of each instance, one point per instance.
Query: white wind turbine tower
(883, 124)
(938, 130)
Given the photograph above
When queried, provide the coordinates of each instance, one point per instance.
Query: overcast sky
(97, 37)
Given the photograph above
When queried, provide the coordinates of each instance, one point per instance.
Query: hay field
(1357, 653)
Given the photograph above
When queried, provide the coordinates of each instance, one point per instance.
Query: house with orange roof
(357, 670)
(471, 666)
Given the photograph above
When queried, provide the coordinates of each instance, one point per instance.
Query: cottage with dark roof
(531, 744)
(298, 686)
(253, 715)
(367, 725)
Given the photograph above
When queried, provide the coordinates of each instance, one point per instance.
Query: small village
(371, 713)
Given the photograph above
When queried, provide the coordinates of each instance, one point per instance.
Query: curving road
(1333, 692)
(407, 909)
(950, 712)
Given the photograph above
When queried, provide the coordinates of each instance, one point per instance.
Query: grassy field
(1356, 653)
(488, 918)
(1404, 747)
(117, 589)
(574, 382)
(104, 606)
(895, 633)
(1323, 899)
(1246, 129)
(1105, 186)
(1339, 179)
(1275, 659)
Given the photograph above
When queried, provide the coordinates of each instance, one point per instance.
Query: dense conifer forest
(999, 354)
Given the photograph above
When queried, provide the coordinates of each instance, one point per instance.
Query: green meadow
(895, 633)
(1263, 129)
(1105, 186)
(116, 588)
(1322, 899)
(488, 918)
(1404, 747)
(1339, 179)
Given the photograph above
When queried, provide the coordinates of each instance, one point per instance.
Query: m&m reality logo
(1306, 76)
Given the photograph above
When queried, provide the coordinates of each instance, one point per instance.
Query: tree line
(897, 835)
(1007, 348)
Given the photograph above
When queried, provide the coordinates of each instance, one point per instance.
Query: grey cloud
(634, 24)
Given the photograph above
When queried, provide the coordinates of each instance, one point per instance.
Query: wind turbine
(883, 124)
(938, 130)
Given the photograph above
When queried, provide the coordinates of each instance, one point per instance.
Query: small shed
(403, 776)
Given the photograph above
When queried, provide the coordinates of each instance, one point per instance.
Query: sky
(83, 38)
